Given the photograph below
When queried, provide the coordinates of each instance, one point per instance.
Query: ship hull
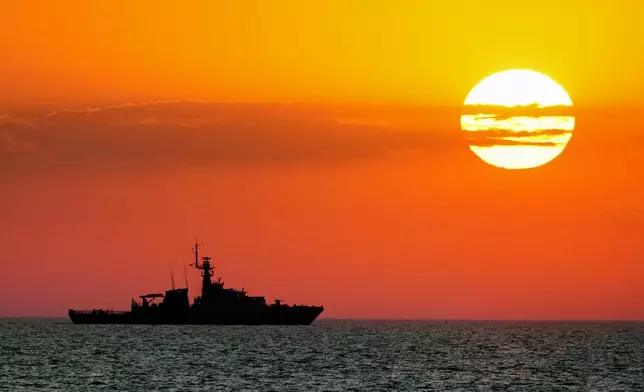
(300, 315)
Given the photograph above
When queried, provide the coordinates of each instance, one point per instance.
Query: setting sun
(511, 121)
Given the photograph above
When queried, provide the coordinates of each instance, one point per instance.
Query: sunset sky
(316, 148)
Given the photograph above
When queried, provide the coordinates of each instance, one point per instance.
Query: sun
(518, 119)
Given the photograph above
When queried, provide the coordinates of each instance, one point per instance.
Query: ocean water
(54, 355)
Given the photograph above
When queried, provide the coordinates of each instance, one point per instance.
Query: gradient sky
(316, 149)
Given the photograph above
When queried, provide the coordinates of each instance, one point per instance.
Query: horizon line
(385, 319)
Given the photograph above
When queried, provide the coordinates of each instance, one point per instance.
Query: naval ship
(217, 305)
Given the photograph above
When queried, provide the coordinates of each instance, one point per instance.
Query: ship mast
(206, 268)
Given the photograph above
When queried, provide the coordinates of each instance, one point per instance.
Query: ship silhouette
(217, 305)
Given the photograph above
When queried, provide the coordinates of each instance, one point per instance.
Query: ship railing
(100, 311)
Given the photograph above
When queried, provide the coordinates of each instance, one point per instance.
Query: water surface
(54, 355)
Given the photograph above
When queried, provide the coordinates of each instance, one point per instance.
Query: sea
(330, 355)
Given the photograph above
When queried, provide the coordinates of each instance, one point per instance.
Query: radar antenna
(195, 250)
(206, 268)
(185, 275)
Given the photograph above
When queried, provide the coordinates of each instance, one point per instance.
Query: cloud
(513, 111)
(218, 133)
(13, 144)
(13, 135)
(504, 142)
(499, 133)
(7, 120)
(504, 137)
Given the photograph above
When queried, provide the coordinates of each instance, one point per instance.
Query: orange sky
(73, 51)
(374, 208)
